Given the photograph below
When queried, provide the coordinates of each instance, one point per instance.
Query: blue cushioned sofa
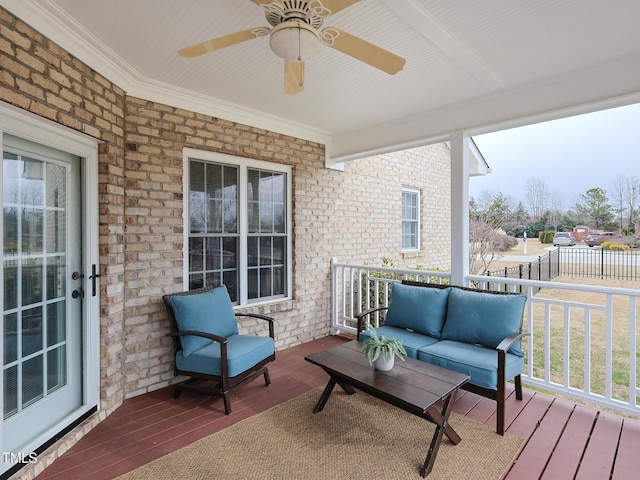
(471, 331)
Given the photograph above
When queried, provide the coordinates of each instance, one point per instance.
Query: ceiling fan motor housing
(312, 13)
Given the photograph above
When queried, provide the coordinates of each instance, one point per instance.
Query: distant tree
(555, 211)
(620, 199)
(594, 207)
(536, 197)
(485, 243)
(493, 209)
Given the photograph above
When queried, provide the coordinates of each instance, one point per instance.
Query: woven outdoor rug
(354, 437)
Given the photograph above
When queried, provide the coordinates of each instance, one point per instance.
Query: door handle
(94, 276)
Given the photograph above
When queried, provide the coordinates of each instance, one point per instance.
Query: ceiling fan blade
(293, 77)
(222, 42)
(362, 50)
(264, 2)
(336, 5)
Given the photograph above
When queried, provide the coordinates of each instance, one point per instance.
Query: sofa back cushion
(483, 318)
(421, 309)
(209, 312)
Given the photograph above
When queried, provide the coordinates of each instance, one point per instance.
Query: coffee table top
(411, 384)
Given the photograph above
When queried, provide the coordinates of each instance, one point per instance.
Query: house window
(410, 219)
(239, 227)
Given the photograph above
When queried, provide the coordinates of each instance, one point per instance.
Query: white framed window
(410, 219)
(238, 226)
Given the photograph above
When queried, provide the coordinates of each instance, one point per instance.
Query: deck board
(562, 439)
(566, 457)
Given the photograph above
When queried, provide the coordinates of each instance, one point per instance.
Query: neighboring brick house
(143, 152)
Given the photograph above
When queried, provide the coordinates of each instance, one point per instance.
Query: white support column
(459, 207)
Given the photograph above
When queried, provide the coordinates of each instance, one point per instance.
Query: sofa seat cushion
(479, 362)
(243, 352)
(209, 312)
(412, 341)
(421, 309)
(484, 318)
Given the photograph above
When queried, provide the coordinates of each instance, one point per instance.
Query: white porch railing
(583, 341)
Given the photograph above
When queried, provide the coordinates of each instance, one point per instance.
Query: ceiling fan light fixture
(295, 40)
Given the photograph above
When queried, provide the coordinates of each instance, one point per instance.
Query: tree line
(495, 220)
(543, 209)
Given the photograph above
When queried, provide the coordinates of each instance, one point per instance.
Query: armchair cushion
(243, 352)
(209, 312)
(419, 309)
(484, 318)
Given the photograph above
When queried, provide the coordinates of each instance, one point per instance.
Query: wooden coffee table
(412, 385)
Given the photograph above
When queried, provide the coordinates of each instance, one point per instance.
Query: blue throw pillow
(209, 312)
(421, 309)
(483, 318)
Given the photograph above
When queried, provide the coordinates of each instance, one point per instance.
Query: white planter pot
(383, 366)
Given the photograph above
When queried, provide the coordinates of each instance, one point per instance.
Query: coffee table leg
(441, 419)
(325, 395)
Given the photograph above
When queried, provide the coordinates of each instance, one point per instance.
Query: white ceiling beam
(428, 26)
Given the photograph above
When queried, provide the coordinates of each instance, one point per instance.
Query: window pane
(265, 251)
(10, 391)
(10, 282)
(213, 253)
(32, 331)
(10, 338)
(265, 282)
(278, 281)
(253, 211)
(253, 256)
(197, 198)
(230, 200)
(196, 254)
(196, 280)
(56, 278)
(32, 380)
(230, 253)
(32, 282)
(56, 323)
(56, 368)
(253, 283)
(278, 250)
(32, 231)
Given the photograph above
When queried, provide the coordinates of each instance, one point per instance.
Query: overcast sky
(571, 155)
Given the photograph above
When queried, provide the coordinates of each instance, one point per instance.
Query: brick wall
(353, 215)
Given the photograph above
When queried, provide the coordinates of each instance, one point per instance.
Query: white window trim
(418, 193)
(243, 164)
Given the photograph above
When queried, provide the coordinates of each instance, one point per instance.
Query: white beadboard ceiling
(471, 65)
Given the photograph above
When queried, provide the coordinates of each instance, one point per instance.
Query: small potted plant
(381, 351)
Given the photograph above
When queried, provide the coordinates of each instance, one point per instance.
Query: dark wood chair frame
(224, 385)
(499, 394)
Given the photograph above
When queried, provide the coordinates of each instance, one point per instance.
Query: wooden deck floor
(564, 440)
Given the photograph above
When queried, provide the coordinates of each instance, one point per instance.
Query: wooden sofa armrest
(195, 333)
(365, 313)
(260, 317)
(509, 340)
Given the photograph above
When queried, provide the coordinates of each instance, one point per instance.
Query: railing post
(334, 297)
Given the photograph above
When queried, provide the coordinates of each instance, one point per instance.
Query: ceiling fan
(295, 36)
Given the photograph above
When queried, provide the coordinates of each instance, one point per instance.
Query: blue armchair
(208, 346)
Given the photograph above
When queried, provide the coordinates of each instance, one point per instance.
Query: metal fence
(545, 268)
(577, 262)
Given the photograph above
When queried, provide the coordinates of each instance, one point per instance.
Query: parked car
(564, 238)
(597, 238)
